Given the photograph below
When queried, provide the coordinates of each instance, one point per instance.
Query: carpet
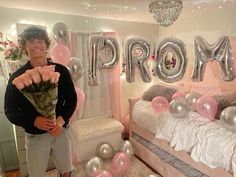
(137, 169)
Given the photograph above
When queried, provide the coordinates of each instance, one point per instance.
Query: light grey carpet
(137, 169)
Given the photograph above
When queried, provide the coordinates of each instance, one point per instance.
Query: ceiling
(127, 10)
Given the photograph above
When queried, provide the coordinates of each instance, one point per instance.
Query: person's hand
(44, 123)
(58, 129)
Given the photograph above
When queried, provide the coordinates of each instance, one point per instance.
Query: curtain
(97, 98)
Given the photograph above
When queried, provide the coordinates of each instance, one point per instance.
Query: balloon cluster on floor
(60, 53)
(120, 160)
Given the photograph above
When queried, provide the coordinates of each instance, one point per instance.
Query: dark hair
(33, 32)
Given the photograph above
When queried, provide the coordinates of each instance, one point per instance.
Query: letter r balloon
(137, 52)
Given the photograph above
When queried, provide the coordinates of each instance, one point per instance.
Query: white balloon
(228, 118)
(192, 98)
(127, 147)
(76, 68)
(179, 108)
(94, 164)
(105, 151)
(60, 33)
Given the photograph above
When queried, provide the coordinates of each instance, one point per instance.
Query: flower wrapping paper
(41, 91)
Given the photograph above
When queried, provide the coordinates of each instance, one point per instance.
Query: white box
(87, 134)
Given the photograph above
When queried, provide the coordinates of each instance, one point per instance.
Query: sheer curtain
(97, 98)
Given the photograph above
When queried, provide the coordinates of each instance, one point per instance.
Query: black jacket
(22, 113)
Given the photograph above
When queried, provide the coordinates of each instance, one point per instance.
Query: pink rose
(54, 77)
(45, 71)
(35, 75)
(50, 68)
(26, 79)
(44, 74)
(18, 83)
(7, 52)
(37, 68)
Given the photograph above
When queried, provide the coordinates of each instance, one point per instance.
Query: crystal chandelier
(165, 12)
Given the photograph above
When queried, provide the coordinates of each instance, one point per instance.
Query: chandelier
(165, 12)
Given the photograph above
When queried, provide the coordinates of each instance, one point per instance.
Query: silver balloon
(105, 151)
(171, 60)
(127, 147)
(192, 98)
(94, 164)
(60, 33)
(76, 69)
(204, 52)
(137, 52)
(103, 55)
(93, 71)
(228, 118)
(110, 52)
(179, 108)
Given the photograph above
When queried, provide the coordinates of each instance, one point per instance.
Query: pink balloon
(120, 163)
(178, 95)
(80, 97)
(102, 173)
(207, 107)
(60, 54)
(160, 104)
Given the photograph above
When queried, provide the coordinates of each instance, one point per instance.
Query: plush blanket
(206, 141)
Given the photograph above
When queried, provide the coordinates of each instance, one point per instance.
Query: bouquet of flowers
(11, 51)
(39, 86)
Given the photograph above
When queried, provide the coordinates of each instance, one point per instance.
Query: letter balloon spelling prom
(137, 52)
(204, 52)
(171, 60)
(108, 60)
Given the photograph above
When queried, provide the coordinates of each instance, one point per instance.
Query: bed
(153, 144)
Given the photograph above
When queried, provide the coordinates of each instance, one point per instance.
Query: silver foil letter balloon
(137, 52)
(109, 50)
(103, 54)
(105, 151)
(170, 60)
(204, 52)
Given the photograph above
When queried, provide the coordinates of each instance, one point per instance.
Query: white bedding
(144, 115)
(206, 141)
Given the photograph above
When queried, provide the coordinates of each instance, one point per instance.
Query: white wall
(210, 23)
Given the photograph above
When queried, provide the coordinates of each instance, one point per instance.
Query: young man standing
(43, 135)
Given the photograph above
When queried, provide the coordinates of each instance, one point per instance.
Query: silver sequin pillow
(158, 90)
(224, 102)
